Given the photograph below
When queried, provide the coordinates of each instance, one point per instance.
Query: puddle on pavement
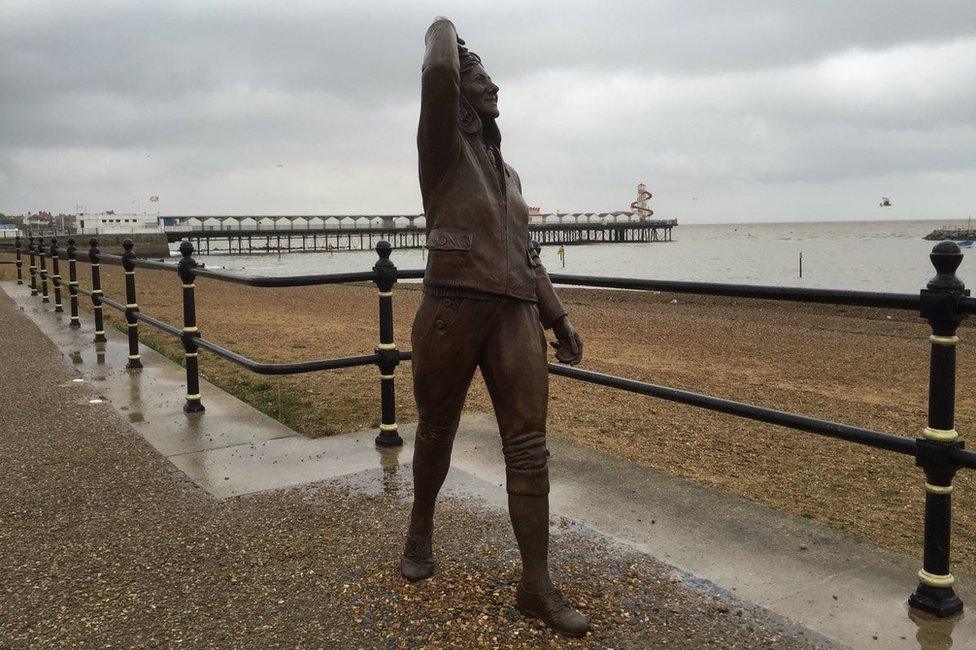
(934, 633)
(136, 417)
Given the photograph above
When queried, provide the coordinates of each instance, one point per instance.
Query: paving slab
(844, 588)
(151, 398)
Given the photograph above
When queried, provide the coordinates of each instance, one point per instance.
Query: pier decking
(213, 242)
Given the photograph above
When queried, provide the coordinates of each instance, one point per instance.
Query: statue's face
(481, 93)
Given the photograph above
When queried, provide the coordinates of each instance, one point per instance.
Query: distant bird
(281, 164)
(885, 202)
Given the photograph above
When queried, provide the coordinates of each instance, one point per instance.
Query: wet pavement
(843, 588)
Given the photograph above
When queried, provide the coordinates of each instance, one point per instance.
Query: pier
(223, 241)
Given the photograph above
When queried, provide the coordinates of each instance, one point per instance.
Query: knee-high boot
(431, 462)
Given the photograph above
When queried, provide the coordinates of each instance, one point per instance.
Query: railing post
(20, 261)
(939, 305)
(32, 269)
(190, 332)
(131, 306)
(43, 269)
(96, 290)
(73, 284)
(56, 275)
(385, 277)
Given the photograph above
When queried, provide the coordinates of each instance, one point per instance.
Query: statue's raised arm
(440, 90)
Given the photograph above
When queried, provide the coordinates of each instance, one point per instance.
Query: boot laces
(558, 599)
(418, 548)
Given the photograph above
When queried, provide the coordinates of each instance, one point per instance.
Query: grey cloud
(200, 101)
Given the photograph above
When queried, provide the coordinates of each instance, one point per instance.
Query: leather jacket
(477, 220)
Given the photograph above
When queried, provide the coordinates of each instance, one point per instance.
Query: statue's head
(477, 87)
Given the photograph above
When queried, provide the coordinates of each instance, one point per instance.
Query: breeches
(451, 338)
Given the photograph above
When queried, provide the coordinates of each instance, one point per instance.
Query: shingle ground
(103, 543)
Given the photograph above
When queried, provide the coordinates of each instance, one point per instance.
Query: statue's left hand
(569, 348)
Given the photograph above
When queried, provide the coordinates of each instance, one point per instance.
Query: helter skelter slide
(640, 205)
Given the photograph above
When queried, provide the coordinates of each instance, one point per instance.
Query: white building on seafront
(110, 222)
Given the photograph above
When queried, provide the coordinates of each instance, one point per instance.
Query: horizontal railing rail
(846, 432)
(287, 368)
(944, 303)
(792, 294)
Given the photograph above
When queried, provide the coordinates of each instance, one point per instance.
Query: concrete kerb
(844, 588)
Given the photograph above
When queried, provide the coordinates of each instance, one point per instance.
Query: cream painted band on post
(95, 264)
(98, 291)
(132, 324)
(189, 286)
(73, 318)
(385, 294)
(934, 580)
(99, 331)
(130, 272)
(386, 346)
(72, 282)
(388, 427)
(938, 489)
(940, 435)
(189, 330)
(134, 356)
(190, 354)
(132, 306)
(57, 303)
(387, 376)
(943, 340)
(56, 277)
(194, 397)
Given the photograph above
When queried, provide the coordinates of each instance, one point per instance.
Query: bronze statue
(487, 300)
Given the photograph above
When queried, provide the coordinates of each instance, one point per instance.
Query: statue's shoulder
(514, 174)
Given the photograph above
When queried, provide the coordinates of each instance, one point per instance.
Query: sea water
(859, 255)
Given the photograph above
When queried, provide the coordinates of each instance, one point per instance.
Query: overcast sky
(729, 111)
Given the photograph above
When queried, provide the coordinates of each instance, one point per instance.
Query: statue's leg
(446, 341)
(515, 372)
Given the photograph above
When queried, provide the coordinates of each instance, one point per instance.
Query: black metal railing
(944, 302)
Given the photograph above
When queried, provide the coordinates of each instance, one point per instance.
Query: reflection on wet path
(936, 633)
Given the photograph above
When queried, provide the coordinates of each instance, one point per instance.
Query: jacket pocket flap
(442, 239)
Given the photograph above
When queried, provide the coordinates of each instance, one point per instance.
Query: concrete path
(843, 588)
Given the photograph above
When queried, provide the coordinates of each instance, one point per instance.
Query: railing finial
(946, 257)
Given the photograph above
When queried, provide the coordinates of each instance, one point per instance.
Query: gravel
(103, 543)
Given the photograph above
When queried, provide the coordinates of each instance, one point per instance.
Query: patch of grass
(269, 398)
